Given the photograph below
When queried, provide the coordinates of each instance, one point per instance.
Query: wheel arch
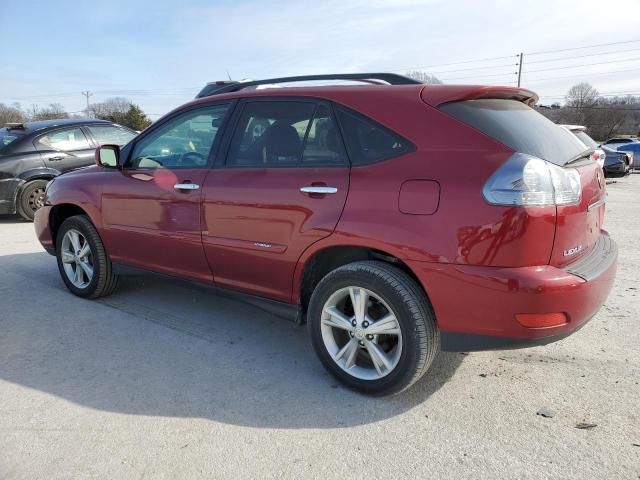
(29, 176)
(38, 174)
(315, 265)
(59, 213)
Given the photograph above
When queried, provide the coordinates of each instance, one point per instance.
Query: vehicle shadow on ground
(11, 219)
(160, 347)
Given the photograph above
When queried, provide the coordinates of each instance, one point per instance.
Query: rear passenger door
(281, 188)
(65, 149)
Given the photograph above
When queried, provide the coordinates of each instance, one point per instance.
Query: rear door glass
(107, 134)
(517, 126)
(69, 139)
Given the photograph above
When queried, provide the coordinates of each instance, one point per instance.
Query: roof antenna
(228, 75)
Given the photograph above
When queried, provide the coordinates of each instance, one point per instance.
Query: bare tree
(52, 112)
(424, 77)
(110, 108)
(608, 117)
(580, 100)
(11, 114)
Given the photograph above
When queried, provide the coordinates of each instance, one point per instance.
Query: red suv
(395, 218)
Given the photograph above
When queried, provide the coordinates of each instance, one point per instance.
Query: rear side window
(517, 126)
(286, 134)
(65, 140)
(369, 142)
(108, 134)
(6, 137)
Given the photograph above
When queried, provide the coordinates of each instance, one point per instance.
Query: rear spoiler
(436, 95)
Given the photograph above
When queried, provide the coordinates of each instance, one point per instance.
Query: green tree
(122, 111)
(136, 119)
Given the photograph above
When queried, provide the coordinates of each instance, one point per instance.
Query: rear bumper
(476, 306)
(43, 232)
(617, 170)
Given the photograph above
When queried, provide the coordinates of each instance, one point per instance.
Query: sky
(160, 53)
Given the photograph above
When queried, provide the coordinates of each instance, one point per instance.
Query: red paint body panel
(485, 300)
(257, 223)
(577, 226)
(149, 224)
(251, 229)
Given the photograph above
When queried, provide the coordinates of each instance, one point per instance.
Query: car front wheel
(372, 327)
(82, 260)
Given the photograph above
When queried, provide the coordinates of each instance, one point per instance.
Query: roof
(41, 124)
(434, 95)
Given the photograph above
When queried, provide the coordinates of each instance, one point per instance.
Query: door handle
(186, 186)
(319, 189)
(56, 158)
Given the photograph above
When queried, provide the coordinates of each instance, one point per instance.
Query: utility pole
(520, 68)
(89, 94)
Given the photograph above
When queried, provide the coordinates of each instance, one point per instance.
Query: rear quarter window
(517, 126)
(369, 142)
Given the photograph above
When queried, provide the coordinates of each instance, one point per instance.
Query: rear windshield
(517, 126)
(584, 138)
(7, 136)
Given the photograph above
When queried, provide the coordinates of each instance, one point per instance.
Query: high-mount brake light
(525, 180)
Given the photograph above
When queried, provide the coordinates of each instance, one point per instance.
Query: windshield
(586, 139)
(7, 136)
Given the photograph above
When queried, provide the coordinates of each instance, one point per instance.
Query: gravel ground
(131, 387)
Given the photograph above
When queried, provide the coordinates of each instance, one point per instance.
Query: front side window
(286, 134)
(367, 141)
(64, 140)
(110, 135)
(182, 142)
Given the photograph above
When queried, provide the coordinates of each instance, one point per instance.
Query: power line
(583, 75)
(583, 56)
(451, 64)
(582, 48)
(584, 65)
(482, 76)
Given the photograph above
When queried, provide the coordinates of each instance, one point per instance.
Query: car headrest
(282, 140)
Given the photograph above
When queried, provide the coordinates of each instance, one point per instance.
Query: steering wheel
(193, 158)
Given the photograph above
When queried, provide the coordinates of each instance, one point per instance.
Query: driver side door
(151, 208)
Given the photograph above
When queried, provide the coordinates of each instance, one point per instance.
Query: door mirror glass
(108, 156)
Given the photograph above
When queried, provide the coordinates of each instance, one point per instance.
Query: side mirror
(108, 156)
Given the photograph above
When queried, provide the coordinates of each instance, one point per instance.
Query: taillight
(630, 157)
(525, 180)
(598, 156)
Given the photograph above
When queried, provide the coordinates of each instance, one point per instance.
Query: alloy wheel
(77, 258)
(361, 333)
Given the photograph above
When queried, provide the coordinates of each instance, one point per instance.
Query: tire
(409, 354)
(103, 280)
(31, 198)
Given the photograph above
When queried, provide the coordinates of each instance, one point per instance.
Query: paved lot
(162, 380)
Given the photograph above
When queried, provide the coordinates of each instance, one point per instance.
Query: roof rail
(226, 86)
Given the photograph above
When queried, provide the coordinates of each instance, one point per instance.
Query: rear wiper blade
(582, 155)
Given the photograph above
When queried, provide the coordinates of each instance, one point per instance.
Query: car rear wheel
(31, 198)
(372, 327)
(82, 260)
